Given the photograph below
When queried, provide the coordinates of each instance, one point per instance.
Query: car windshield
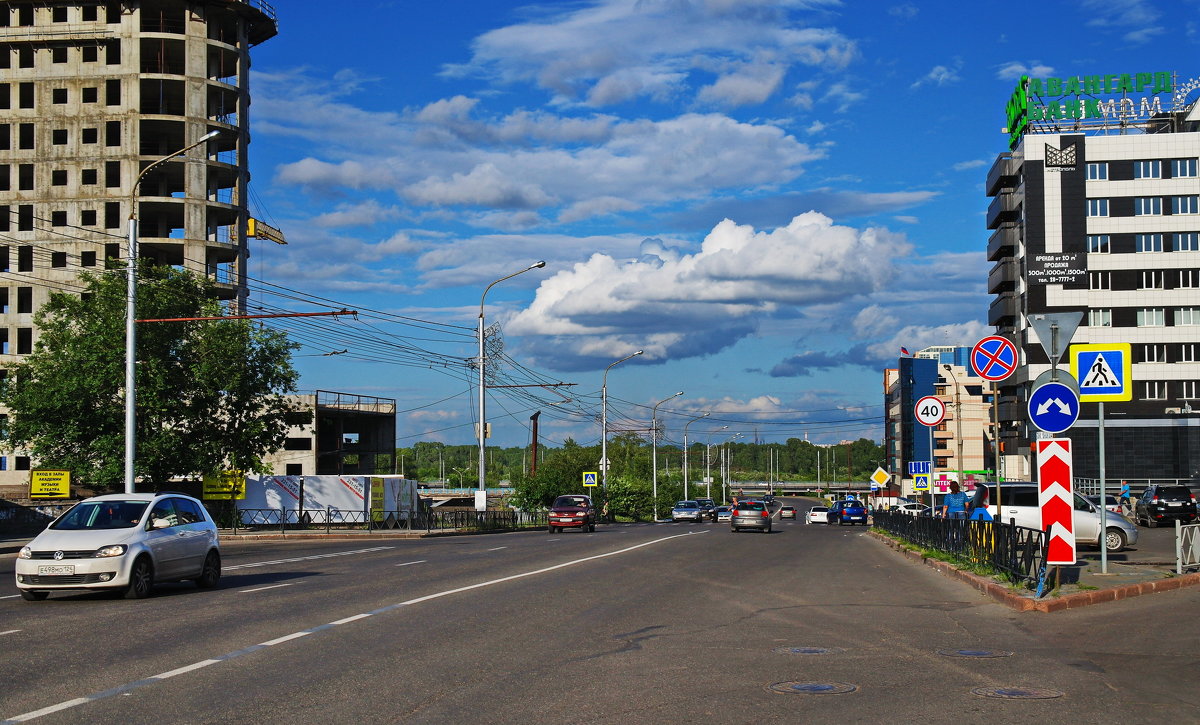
(1174, 493)
(569, 501)
(819, 508)
(91, 515)
(751, 505)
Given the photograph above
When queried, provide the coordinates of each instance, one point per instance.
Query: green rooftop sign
(1080, 98)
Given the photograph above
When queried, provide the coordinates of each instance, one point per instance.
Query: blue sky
(769, 198)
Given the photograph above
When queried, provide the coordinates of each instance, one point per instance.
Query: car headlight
(26, 553)
(105, 552)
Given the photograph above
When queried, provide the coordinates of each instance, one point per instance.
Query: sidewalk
(1136, 573)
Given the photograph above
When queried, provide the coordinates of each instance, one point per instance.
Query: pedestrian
(1126, 504)
(977, 509)
(954, 504)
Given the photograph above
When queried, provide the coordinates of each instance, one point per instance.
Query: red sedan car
(572, 512)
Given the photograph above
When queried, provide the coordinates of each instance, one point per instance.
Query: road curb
(1023, 603)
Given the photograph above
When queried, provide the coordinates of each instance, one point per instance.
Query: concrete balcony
(1005, 173)
(1004, 209)
(1003, 242)
(1004, 310)
(1003, 277)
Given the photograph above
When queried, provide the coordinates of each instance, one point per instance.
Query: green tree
(209, 393)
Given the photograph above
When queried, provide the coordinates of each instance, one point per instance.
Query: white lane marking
(11, 631)
(125, 688)
(410, 563)
(11, 596)
(498, 548)
(263, 589)
(305, 558)
(551, 539)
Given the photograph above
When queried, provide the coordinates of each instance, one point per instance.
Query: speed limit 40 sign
(930, 411)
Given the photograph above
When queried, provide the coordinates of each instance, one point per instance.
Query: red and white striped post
(1056, 499)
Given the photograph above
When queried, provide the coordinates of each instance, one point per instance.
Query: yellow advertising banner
(377, 494)
(225, 486)
(49, 484)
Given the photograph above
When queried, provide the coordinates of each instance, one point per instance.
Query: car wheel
(1114, 540)
(211, 573)
(141, 579)
(33, 596)
(1150, 522)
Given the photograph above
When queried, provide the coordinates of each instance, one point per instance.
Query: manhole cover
(979, 653)
(812, 688)
(1017, 693)
(806, 650)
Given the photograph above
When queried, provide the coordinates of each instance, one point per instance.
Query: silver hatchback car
(751, 515)
(123, 543)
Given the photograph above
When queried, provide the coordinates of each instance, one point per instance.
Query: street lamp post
(131, 312)
(685, 451)
(708, 458)
(958, 440)
(604, 424)
(654, 448)
(481, 491)
(726, 466)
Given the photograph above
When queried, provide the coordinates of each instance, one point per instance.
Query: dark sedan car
(848, 512)
(1165, 503)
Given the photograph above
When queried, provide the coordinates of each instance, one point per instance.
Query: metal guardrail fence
(1018, 552)
(284, 520)
(1187, 546)
(17, 520)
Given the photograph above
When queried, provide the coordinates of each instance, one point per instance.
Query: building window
(25, 95)
(1189, 278)
(25, 177)
(1186, 242)
(1149, 242)
(112, 133)
(1097, 207)
(5, 177)
(1147, 169)
(58, 259)
(1154, 390)
(1189, 352)
(89, 13)
(1188, 389)
(91, 94)
(112, 214)
(24, 300)
(25, 57)
(25, 137)
(1154, 353)
(1185, 204)
(59, 14)
(1099, 318)
(1183, 168)
(112, 92)
(58, 177)
(89, 53)
(1152, 279)
(1099, 280)
(5, 136)
(87, 259)
(87, 218)
(1189, 316)
(1098, 243)
(1151, 317)
(112, 174)
(89, 135)
(59, 54)
(58, 218)
(1147, 206)
(59, 137)
(1097, 171)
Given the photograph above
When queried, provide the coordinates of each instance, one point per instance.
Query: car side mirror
(160, 524)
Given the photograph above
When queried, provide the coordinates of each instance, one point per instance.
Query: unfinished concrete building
(92, 93)
(338, 433)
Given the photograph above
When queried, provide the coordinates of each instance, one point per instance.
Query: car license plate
(57, 570)
(1174, 503)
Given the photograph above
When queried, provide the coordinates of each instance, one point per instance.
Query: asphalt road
(642, 624)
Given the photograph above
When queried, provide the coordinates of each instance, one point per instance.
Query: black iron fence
(1017, 552)
(17, 520)
(328, 519)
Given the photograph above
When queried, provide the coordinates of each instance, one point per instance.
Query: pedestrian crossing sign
(921, 482)
(589, 478)
(1104, 371)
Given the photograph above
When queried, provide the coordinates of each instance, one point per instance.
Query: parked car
(1111, 503)
(751, 515)
(912, 509)
(1165, 503)
(709, 506)
(787, 512)
(1019, 502)
(572, 512)
(817, 515)
(848, 511)
(687, 511)
(122, 542)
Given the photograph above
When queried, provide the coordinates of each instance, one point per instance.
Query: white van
(1019, 502)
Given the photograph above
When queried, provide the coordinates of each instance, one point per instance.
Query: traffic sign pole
(929, 412)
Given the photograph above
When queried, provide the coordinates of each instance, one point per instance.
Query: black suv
(1162, 503)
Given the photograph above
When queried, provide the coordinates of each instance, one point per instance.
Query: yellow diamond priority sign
(880, 477)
